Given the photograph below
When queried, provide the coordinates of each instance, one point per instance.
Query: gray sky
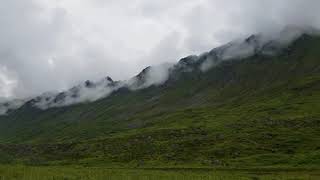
(54, 44)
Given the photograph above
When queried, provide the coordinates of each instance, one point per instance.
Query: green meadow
(100, 173)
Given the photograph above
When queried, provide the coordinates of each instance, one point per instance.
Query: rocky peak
(89, 84)
(109, 79)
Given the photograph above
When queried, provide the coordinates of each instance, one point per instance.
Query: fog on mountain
(265, 44)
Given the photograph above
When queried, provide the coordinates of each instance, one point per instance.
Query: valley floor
(93, 173)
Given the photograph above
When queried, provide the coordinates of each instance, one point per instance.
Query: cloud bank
(52, 45)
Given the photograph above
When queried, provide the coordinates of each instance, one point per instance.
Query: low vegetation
(79, 173)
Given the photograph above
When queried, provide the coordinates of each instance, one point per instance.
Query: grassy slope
(259, 111)
(79, 173)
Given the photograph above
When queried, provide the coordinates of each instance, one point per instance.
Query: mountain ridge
(254, 44)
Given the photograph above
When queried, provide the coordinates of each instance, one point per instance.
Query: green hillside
(261, 111)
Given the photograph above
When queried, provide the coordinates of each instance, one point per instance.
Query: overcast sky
(50, 45)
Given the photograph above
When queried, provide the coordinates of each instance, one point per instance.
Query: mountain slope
(259, 110)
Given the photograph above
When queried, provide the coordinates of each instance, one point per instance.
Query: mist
(150, 76)
(85, 92)
(90, 91)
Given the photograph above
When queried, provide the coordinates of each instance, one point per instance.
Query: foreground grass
(76, 173)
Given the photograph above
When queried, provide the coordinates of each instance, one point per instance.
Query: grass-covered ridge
(260, 111)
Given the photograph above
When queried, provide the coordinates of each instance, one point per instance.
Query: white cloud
(7, 84)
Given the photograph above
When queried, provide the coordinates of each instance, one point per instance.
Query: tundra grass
(78, 173)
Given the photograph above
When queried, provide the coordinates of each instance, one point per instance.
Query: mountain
(248, 103)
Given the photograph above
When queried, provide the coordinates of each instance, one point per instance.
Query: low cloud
(89, 91)
(264, 43)
(11, 105)
(150, 76)
(86, 92)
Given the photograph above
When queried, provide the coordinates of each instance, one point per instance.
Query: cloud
(150, 76)
(90, 91)
(85, 92)
(6, 82)
(53, 45)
